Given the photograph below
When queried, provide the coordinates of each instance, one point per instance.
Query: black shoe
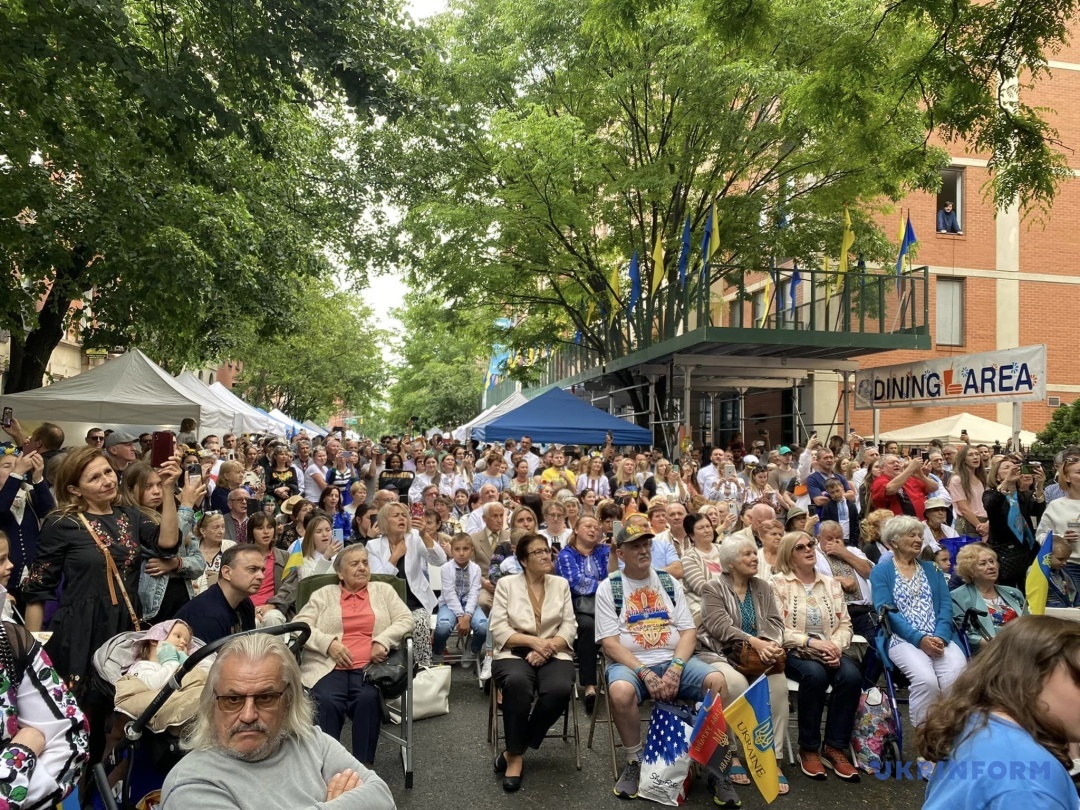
(590, 702)
(500, 763)
(512, 784)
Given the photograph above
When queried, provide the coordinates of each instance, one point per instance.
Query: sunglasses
(806, 546)
(232, 704)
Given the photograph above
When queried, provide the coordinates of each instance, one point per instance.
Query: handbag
(746, 661)
(112, 572)
(431, 695)
(585, 603)
(391, 676)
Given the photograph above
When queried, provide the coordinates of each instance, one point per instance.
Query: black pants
(344, 692)
(814, 679)
(585, 648)
(519, 681)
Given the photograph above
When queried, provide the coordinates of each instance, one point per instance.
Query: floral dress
(40, 700)
(915, 601)
(87, 618)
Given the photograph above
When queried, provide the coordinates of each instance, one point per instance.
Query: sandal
(738, 775)
(784, 787)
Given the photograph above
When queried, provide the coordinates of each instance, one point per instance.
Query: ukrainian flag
(1038, 577)
(296, 557)
(749, 718)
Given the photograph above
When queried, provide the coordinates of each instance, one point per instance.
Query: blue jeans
(447, 621)
(814, 679)
(691, 687)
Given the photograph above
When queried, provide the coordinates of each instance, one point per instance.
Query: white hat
(750, 460)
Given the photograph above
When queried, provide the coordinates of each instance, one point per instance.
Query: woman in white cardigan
(354, 623)
(405, 554)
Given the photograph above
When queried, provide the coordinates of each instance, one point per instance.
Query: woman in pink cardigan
(353, 623)
(817, 631)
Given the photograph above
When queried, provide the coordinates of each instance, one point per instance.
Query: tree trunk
(30, 351)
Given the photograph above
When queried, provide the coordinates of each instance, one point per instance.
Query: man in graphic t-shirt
(648, 639)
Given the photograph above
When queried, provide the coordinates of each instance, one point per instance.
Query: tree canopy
(1063, 429)
(324, 356)
(439, 380)
(179, 166)
(574, 133)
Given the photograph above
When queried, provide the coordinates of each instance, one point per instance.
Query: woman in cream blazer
(533, 628)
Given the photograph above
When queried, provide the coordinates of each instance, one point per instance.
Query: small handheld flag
(749, 718)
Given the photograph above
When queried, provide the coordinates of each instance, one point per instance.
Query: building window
(952, 191)
(758, 308)
(736, 320)
(950, 311)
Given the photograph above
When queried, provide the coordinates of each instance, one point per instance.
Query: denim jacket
(152, 589)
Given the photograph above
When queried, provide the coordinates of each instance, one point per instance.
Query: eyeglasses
(231, 704)
(540, 552)
(97, 438)
(806, 546)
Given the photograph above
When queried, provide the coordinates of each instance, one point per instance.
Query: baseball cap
(631, 533)
(785, 451)
(750, 460)
(118, 437)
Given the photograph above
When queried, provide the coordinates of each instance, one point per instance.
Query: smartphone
(380, 450)
(194, 472)
(1073, 525)
(5, 421)
(339, 536)
(616, 527)
(729, 470)
(925, 456)
(162, 447)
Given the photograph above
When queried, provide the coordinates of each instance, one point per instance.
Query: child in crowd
(939, 558)
(7, 610)
(160, 652)
(459, 607)
(1062, 591)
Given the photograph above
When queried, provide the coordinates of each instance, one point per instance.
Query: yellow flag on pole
(658, 263)
(846, 243)
(714, 237)
(615, 282)
(768, 302)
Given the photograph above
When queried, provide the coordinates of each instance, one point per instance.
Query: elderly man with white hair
(489, 493)
(760, 514)
(255, 725)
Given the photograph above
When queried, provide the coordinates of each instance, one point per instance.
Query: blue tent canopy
(559, 416)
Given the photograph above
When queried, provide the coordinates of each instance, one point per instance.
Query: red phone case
(161, 448)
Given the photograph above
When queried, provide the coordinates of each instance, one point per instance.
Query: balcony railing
(824, 311)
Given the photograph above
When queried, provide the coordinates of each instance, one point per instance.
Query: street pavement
(453, 770)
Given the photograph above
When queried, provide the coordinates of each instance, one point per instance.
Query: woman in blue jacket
(25, 499)
(922, 643)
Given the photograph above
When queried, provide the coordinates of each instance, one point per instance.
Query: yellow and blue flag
(1038, 583)
(296, 557)
(749, 717)
(907, 240)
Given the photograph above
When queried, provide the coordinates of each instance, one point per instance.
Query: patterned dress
(86, 618)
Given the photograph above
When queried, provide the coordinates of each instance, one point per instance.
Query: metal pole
(797, 421)
(847, 415)
(877, 425)
(652, 406)
(1017, 421)
(712, 419)
(742, 413)
(611, 401)
(686, 403)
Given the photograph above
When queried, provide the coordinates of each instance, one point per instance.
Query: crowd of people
(656, 578)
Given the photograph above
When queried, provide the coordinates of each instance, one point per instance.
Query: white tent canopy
(131, 390)
(240, 421)
(315, 429)
(265, 423)
(294, 426)
(515, 400)
(980, 431)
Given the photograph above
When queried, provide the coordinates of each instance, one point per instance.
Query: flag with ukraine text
(749, 717)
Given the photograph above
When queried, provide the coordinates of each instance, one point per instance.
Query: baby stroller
(893, 743)
(143, 758)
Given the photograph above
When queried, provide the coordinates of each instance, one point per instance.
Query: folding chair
(495, 712)
(404, 739)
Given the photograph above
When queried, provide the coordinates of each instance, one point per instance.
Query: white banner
(1009, 375)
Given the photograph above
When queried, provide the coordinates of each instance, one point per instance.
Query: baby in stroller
(160, 652)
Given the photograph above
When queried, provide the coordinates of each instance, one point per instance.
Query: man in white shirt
(648, 637)
(869, 456)
(709, 474)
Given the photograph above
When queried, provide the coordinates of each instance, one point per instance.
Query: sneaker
(626, 787)
(723, 793)
(837, 761)
(485, 668)
(437, 659)
(468, 658)
(810, 764)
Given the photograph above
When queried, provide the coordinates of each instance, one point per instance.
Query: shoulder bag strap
(111, 572)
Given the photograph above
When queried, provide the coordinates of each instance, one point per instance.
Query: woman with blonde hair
(1014, 707)
(977, 566)
(594, 479)
(669, 486)
(870, 533)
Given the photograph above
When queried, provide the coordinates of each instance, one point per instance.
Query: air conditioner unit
(1053, 402)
